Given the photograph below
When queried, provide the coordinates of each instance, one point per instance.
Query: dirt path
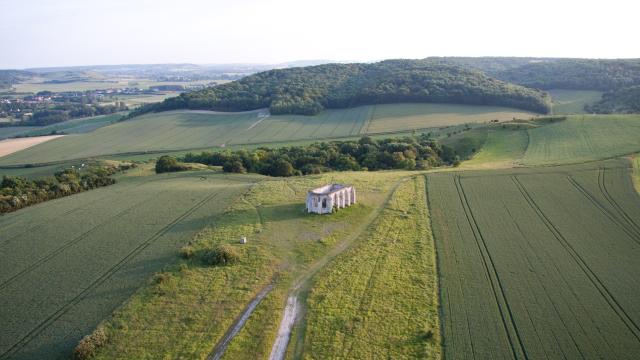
(9, 146)
(295, 310)
(221, 347)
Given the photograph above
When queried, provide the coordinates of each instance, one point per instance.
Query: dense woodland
(576, 74)
(309, 90)
(625, 101)
(19, 192)
(409, 153)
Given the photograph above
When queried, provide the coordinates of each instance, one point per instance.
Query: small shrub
(168, 163)
(90, 344)
(187, 252)
(427, 335)
(161, 278)
(221, 255)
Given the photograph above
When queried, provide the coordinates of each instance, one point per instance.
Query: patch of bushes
(187, 252)
(221, 255)
(90, 344)
(18, 192)
(168, 163)
(416, 152)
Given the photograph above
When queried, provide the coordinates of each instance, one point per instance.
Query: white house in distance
(322, 200)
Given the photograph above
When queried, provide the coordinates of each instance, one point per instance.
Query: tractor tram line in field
(529, 248)
(518, 349)
(68, 244)
(630, 231)
(61, 311)
(514, 274)
(590, 274)
(603, 187)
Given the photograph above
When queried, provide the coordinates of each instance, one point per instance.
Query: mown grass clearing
(68, 263)
(502, 149)
(583, 138)
(203, 301)
(379, 299)
(538, 263)
(185, 130)
(573, 101)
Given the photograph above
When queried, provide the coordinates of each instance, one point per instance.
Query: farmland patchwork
(538, 264)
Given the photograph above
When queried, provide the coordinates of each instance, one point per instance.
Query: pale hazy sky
(38, 33)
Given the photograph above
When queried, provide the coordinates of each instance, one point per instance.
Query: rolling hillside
(309, 90)
(184, 130)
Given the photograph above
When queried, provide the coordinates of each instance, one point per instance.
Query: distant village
(17, 109)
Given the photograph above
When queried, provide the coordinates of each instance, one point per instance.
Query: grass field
(203, 301)
(573, 101)
(419, 116)
(66, 264)
(502, 149)
(379, 299)
(635, 161)
(74, 126)
(10, 131)
(181, 130)
(583, 138)
(538, 263)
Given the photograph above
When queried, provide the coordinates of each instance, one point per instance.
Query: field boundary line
(595, 280)
(104, 277)
(490, 269)
(436, 264)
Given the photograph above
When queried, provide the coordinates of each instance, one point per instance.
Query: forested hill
(577, 74)
(625, 101)
(554, 73)
(309, 90)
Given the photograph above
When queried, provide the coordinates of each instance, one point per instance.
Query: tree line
(309, 90)
(625, 101)
(420, 152)
(17, 192)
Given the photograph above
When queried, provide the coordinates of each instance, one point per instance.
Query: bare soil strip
(9, 146)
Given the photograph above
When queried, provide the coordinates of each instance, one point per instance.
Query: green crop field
(74, 126)
(10, 131)
(66, 264)
(573, 101)
(183, 130)
(538, 263)
(391, 117)
(501, 149)
(583, 138)
(379, 299)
